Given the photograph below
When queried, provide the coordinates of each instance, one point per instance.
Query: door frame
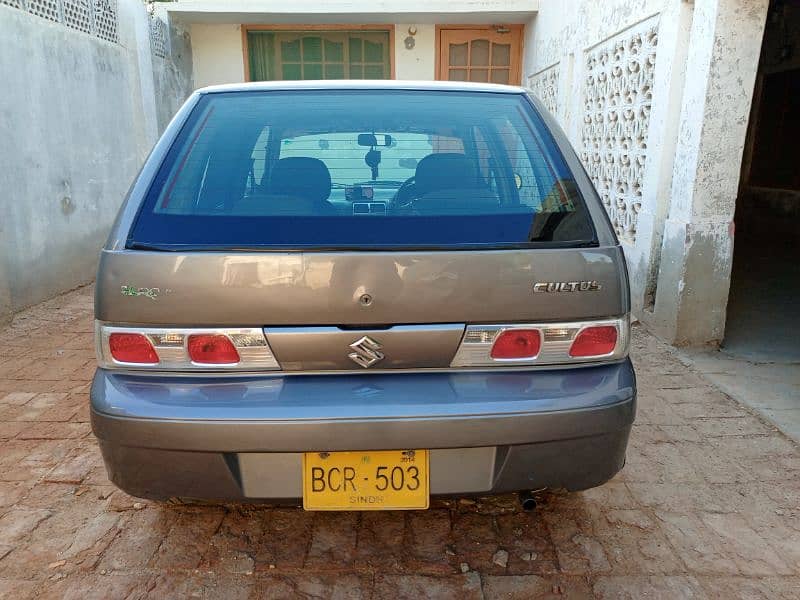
(315, 27)
(515, 76)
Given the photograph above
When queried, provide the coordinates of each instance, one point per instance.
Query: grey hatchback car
(357, 295)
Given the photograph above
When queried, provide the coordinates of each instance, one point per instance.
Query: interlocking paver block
(525, 587)
(333, 540)
(418, 587)
(639, 586)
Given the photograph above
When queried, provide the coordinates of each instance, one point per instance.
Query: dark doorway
(763, 320)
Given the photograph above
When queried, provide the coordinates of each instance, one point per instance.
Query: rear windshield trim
(161, 174)
(361, 248)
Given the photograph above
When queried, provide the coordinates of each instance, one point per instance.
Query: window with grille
(292, 55)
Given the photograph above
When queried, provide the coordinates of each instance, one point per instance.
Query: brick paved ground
(707, 506)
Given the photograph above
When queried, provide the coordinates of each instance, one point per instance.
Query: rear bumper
(240, 438)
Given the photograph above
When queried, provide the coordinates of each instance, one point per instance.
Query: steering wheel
(406, 194)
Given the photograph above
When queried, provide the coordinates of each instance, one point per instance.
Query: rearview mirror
(371, 140)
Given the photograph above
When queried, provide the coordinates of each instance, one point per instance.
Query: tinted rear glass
(362, 169)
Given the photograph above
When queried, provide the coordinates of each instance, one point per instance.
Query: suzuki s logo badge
(566, 286)
(366, 352)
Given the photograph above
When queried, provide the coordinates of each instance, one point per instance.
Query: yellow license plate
(379, 480)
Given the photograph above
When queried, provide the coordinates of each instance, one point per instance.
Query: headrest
(445, 170)
(301, 176)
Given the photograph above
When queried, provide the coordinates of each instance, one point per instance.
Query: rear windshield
(362, 169)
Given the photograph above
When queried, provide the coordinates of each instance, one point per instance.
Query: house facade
(681, 111)
(660, 98)
(253, 41)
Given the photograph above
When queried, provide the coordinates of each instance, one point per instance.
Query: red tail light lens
(517, 343)
(594, 341)
(132, 348)
(212, 349)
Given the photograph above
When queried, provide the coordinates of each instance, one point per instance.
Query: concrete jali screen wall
(655, 96)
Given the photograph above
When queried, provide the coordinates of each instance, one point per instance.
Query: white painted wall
(419, 62)
(722, 57)
(560, 32)
(217, 55)
(172, 77)
(79, 115)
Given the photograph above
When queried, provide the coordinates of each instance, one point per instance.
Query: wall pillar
(134, 33)
(5, 287)
(697, 248)
(667, 94)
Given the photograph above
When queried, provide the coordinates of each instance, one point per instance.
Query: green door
(287, 55)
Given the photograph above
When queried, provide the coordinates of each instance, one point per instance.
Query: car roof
(364, 84)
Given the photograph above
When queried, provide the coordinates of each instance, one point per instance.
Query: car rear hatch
(241, 234)
(313, 306)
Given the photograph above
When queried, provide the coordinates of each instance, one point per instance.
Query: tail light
(132, 348)
(594, 341)
(514, 344)
(212, 349)
(543, 343)
(173, 349)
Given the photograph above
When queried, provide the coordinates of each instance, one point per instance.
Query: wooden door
(481, 54)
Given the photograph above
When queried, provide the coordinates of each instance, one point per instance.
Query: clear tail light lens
(214, 349)
(561, 343)
(132, 348)
(594, 341)
(183, 349)
(516, 344)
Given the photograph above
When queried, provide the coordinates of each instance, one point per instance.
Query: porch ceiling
(352, 11)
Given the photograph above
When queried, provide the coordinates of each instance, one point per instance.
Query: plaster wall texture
(217, 55)
(419, 62)
(724, 49)
(5, 290)
(172, 77)
(79, 115)
(655, 96)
